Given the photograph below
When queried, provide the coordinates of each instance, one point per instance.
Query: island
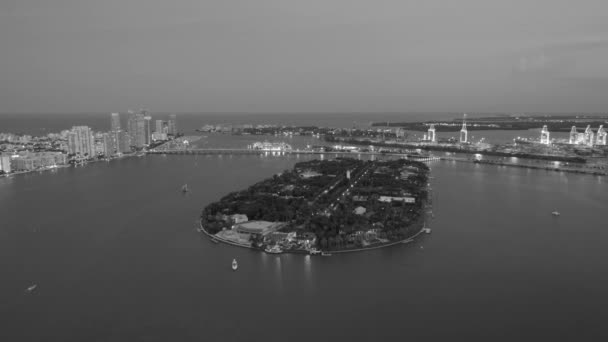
(323, 206)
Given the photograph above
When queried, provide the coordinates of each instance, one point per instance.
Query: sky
(304, 56)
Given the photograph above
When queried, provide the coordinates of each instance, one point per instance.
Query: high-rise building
(115, 122)
(160, 124)
(81, 142)
(123, 143)
(140, 131)
(5, 163)
(172, 124)
(601, 136)
(589, 136)
(432, 137)
(147, 129)
(545, 137)
(137, 128)
(464, 134)
(573, 135)
(108, 144)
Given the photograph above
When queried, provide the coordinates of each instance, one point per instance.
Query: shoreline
(330, 251)
(65, 166)
(528, 166)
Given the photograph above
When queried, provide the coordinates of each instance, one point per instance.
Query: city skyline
(321, 56)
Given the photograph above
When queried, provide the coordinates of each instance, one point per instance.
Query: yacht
(555, 213)
(325, 254)
(314, 251)
(235, 265)
(31, 288)
(273, 250)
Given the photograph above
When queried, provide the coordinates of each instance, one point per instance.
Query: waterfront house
(359, 210)
(239, 218)
(309, 174)
(389, 199)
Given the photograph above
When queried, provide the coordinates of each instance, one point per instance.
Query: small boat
(314, 251)
(185, 188)
(273, 250)
(555, 213)
(235, 265)
(31, 288)
(325, 254)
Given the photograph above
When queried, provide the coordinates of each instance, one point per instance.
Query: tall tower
(545, 136)
(589, 136)
(172, 123)
(115, 122)
(159, 126)
(108, 145)
(140, 130)
(573, 135)
(463, 131)
(147, 129)
(431, 135)
(131, 126)
(137, 129)
(601, 136)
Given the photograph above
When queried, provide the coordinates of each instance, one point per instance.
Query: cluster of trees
(330, 167)
(284, 197)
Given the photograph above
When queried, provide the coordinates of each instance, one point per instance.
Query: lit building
(431, 136)
(589, 136)
(268, 146)
(601, 136)
(397, 199)
(573, 135)
(545, 137)
(157, 136)
(81, 142)
(115, 122)
(464, 135)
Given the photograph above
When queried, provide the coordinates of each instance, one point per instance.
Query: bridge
(233, 151)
